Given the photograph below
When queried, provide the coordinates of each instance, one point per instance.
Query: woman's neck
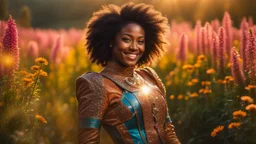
(118, 69)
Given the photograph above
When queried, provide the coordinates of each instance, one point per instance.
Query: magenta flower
(56, 50)
(237, 73)
(208, 36)
(10, 46)
(33, 49)
(215, 47)
(182, 52)
(251, 56)
(202, 41)
(221, 53)
(244, 37)
(197, 36)
(215, 25)
(227, 25)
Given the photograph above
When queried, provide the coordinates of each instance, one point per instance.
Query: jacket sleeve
(92, 104)
(170, 134)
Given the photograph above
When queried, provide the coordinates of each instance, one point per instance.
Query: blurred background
(208, 69)
(74, 13)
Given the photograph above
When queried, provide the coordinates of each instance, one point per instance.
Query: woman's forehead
(132, 29)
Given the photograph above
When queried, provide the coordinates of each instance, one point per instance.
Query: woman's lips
(131, 56)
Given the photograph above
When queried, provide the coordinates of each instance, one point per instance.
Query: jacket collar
(118, 73)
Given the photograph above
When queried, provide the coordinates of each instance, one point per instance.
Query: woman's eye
(126, 40)
(141, 42)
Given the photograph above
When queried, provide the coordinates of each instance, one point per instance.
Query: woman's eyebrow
(131, 35)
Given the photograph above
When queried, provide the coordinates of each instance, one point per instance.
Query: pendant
(133, 81)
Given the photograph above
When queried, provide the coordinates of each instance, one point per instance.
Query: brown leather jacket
(106, 99)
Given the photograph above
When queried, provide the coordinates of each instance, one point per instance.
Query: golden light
(145, 89)
(7, 60)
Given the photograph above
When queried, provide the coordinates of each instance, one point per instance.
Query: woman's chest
(147, 104)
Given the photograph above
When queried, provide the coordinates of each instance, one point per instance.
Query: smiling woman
(129, 102)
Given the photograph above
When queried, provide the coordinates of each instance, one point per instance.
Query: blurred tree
(3, 9)
(25, 17)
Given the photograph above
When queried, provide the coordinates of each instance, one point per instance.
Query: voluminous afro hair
(107, 22)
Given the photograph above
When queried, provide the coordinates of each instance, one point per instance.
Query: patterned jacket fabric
(129, 113)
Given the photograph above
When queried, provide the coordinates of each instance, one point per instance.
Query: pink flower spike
(251, 56)
(221, 50)
(237, 73)
(215, 47)
(244, 37)
(227, 25)
(183, 48)
(10, 46)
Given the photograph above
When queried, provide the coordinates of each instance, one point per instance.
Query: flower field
(208, 69)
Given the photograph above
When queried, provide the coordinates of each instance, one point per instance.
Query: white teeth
(132, 56)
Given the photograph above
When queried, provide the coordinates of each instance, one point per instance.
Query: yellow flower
(168, 83)
(195, 80)
(43, 73)
(201, 58)
(217, 130)
(194, 94)
(27, 81)
(205, 83)
(197, 65)
(211, 71)
(35, 67)
(251, 107)
(42, 119)
(201, 91)
(189, 68)
(229, 65)
(180, 96)
(250, 87)
(171, 97)
(234, 125)
(186, 98)
(239, 113)
(219, 81)
(229, 78)
(207, 91)
(190, 84)
(24, 73)
(41, 60)
(247, 99)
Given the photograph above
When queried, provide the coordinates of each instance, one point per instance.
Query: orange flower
(171, 97)
(217, 130)
(41, 60)
(251, 107)
(247, 99)
(205, 83)
(189, 68)
(186, 98)
(229, 78)
(194, 94)
(250, 87)
(42, 119)
(35, 67)
(197, 65)
(207, 91)
(180, 96)
(190, 84)
(195, 80)
(229, 65)
(211, 71)
(239, 113)
(201, 58)
(234, 125)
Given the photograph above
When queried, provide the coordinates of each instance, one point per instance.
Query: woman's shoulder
(150, 74)
(90, 80)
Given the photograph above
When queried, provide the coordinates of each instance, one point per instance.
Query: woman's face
(129, 45)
